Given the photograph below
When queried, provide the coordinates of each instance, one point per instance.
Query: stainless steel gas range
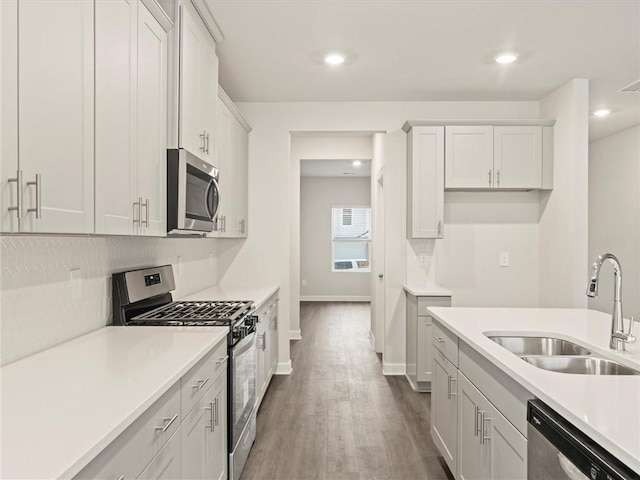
(143, 298)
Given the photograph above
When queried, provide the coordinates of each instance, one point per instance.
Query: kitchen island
(604, 407)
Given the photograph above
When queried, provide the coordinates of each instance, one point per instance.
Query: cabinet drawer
(426, 302)
(198, 380)
(446, 342)
(130, 453)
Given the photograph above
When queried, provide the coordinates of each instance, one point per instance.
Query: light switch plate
(76, 284)
(504, 259)
(304, 283)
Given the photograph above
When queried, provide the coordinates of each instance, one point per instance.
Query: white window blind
(351, 238)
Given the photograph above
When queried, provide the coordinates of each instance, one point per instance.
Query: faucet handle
(630, 337)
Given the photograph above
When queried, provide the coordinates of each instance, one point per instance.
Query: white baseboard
(394, 368)
(335, 298)
(295, 335)
(372, 339)
(284, 368)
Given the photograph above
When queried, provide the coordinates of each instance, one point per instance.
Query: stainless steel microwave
(193, 196)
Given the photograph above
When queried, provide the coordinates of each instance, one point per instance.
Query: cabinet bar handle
(489, 177)
(439, 227)
(476, 426)
(145, 205)
(498, 177)
(242, 226)
(202, 139)
(168, 423)
(210, 407)
(121, 477)
(206, 143)
(440, 339)
(221, 360)
(38, 184)
(448, 386)
(451, 392)
(18, 181)
(215, 405)
(484, 438)
(200, 384)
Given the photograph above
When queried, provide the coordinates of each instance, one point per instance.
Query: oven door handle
(244, 345)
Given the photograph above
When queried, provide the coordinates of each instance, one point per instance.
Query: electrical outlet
(76, 284)
(304, 283)
(504, 259)
(423, 260)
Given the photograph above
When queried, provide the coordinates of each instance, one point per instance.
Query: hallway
(337, 417)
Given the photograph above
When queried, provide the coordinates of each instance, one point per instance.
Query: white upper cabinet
(198, 85)
(425, 168)
(152, 124)
(56, 115)
(232, 159)
(469, 156)
(131, 119)
(518, 157)
(116, 109)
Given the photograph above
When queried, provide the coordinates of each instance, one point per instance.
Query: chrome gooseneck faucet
(618, 335)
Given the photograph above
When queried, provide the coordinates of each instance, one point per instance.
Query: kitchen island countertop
(605, 407)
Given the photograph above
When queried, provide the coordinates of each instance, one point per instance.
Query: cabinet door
(56, 115)
(216, 455)
(9, 116)
(208, 96)
(152, 123)
(225, 164)
(195, 429)
(469, 157)
(425, 350)
(167, 463)
(444, 409)
(518, 157)
(242, 181)
(473, 453)
(116, 40)
(507, 446)
(426, 180)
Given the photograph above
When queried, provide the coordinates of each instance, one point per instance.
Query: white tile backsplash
(36, 309)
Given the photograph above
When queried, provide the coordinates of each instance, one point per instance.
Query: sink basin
(581, 365)
(525, 346)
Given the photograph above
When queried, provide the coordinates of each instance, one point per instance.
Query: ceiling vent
(634, 87)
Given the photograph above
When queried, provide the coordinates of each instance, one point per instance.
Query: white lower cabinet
(167, 442)
(267, 343)
(444, 409)
(490, 447)
(476, 440)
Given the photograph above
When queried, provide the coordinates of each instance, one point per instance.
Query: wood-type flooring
(336, 416)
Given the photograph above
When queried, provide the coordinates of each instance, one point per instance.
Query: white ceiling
(402, 50)
(334, 168)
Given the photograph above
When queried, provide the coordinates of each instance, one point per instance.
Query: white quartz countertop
(427, 291)
(604, 407)
(63, 406)
(256, 293)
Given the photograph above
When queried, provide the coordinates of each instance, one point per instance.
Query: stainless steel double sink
(558, 355)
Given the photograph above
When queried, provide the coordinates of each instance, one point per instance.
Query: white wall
(36, 310)
(563, 211)
(317, 196)
(273, 191)
(614, 216)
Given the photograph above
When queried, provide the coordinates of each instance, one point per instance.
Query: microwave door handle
(213, 185)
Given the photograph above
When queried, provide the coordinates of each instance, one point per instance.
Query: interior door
(378, 254)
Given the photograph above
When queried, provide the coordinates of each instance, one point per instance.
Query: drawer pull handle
(221, 360)
(440, 339)
(168, 423)
(201, 383)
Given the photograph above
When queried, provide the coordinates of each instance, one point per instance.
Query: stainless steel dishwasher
(557, 450)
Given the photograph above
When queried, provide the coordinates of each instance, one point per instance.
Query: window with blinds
(351, 239)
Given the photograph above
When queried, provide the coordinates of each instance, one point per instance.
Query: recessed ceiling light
(506, 58)
(334, 58)
(356, 163)
(602, 112)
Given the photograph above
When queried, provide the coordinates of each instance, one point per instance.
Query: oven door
(242, 388)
